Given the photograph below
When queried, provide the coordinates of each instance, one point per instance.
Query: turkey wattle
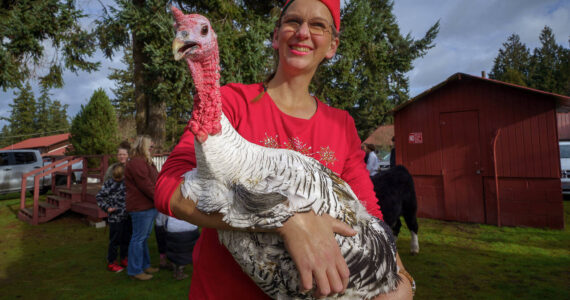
(254, 186)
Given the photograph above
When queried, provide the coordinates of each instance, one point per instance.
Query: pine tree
(547, 63)
(26, 26)
(42, 115)
(58, 116)
(124, 101)
(94, 128)
(512, 62)
(22, 115)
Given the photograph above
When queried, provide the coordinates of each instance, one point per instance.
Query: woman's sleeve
(355, 172)
(181, 160)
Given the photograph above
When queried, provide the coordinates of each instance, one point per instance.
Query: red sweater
(140, 179)
(329, 136)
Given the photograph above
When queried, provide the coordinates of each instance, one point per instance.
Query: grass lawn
(65, 259)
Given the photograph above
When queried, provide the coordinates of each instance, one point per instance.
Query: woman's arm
(309, 239)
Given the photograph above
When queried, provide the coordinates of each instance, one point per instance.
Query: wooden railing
(43, 172)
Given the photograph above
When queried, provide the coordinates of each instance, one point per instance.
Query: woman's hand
(310, 241)
(111, 209)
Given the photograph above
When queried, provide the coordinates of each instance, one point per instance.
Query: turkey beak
(176, 45)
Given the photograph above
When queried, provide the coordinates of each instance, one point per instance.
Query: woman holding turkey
(281, 113)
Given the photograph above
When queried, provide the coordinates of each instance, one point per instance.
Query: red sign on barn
(415, 138)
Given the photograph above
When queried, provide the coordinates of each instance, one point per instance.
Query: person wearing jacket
(111, 199)
(140, 178)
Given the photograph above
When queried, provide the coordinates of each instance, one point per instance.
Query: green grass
(65, 259)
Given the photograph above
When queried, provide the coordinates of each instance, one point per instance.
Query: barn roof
(562, 102)
(381, 136)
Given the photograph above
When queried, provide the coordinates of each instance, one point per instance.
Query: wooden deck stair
(63, 200)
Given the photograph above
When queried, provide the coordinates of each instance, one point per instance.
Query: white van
(565, 166)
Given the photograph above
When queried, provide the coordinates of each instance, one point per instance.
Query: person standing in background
(111, 199)
(140, 179)
(122, 158)
(372, 163)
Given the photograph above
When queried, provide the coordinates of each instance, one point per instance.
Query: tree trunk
(150, 114)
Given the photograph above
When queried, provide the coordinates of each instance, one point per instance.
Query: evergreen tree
(58, 116)
(512, 62)
(42, 115)
(5, 137)
(26, 26)
(22, 115)
(94, 128)
(124, 101)
(546, 64)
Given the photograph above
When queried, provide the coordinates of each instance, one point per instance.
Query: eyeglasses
(317, 26)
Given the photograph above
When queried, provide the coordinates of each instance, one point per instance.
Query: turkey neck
(207, 109)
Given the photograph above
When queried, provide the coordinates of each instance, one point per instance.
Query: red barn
(469, 135)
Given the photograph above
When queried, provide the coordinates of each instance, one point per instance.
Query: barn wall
(527, 146)
(527, 150)
(525, 202)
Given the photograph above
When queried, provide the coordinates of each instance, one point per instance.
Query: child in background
(181, 237)
(111, 199)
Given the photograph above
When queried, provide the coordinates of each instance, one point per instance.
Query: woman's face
(304, 37)
(122, 155)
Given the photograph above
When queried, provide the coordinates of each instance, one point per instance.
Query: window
(3, 159)
(24, 158)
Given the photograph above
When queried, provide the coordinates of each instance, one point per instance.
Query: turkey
(257, 187)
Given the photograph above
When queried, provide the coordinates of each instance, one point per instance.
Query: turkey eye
(204, 30)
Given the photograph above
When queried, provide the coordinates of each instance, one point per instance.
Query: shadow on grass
(66, 259)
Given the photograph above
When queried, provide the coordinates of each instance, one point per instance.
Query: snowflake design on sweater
(325, 155)
(297, 145)
(270, 142)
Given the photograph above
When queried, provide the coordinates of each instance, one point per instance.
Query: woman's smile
(300, 49)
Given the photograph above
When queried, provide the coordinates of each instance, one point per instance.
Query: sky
(470, 36)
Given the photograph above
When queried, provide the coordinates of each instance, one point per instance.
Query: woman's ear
(334, 46)
(275, 42)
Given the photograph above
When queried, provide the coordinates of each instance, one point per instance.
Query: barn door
(461, 167)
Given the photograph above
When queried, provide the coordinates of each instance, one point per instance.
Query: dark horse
(397, 197)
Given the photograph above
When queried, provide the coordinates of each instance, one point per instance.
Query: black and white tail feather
(259, 187)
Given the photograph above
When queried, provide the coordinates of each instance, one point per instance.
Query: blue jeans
(139, 256)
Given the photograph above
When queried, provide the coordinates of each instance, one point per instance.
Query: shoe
(142, 276)
(150, 270)
(113, 267)
(163, 263)
(124, 262)
(178, 272)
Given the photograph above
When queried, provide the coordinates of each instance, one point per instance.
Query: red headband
(332, 5)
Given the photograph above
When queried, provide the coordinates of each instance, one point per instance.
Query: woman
(140, 179)
(281, 113)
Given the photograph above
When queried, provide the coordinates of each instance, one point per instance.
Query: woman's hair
(118, 172)
(141, 148)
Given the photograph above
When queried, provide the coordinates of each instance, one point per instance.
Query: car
(385, 162)
(565, 166)
(15, 163)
